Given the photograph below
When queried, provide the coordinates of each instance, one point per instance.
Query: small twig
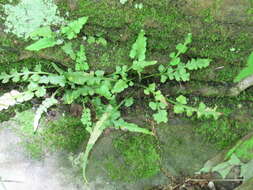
(198, 180)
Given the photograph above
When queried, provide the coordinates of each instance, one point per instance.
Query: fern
(176, 69)
(247, 71)
(47, 103)
(50, 39)
(95, 133)
(138, 54)
(81, 60)
(44, 32)
(96, 87)
(159, 105)
(138, 50)
(73, 28)
(195, 64)
(42, 44)
(201, 111)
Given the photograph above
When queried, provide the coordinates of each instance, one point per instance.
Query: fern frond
(139, 47)
(47, 103)
(96, 132)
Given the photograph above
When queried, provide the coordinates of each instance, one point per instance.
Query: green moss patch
(139, 158)
(223, 132)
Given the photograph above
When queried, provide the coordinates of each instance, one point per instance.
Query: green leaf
(119, 86)
(161, 68)
(81, 60)
(42, 44)
(45, 32)
(150, 89)
(57, 80)
(181, 99)
(188, 39)
(95, 134)
(99, 73)
(4, 77)
(195, 64)
(69, 97)
(175, 61)
(182, 48)
(129, 102)
(67, 48)
(189, 111)
(91, 40)
(178, 108)
(86, 117)
(131, 127)
(201, 109)
(40, 92)
(139, 47)
(37, 68)
(16, 78)
(102, 41)
(140, 65)
(26, 73)
(161, 116)
(163, 78)
(172, 55)
(247, 71)
(32, 86)
(78, 77)
(73, 28)
(153, 105)
(26, 96)
(104, 90)
(35, 77)
(180, 74)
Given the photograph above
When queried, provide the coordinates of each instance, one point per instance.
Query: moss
(139, 158)
(223, 132)
(243, 149)
(11, 112)
(66, 134)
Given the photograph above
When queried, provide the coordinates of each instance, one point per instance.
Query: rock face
(224, 11)
(217, 27)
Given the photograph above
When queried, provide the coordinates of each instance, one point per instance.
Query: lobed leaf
(131, 127)
(161, 116)
(139, 47)
(129, 102)
(45, 32)
(42, 44)
(119, 86)
(195, 64)
(81, 60)
(47, 103)
(140, 65)
(73, 28)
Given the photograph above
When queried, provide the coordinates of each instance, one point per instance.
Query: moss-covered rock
(216, 34)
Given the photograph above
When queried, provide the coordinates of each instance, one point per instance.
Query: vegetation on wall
(97, 87)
